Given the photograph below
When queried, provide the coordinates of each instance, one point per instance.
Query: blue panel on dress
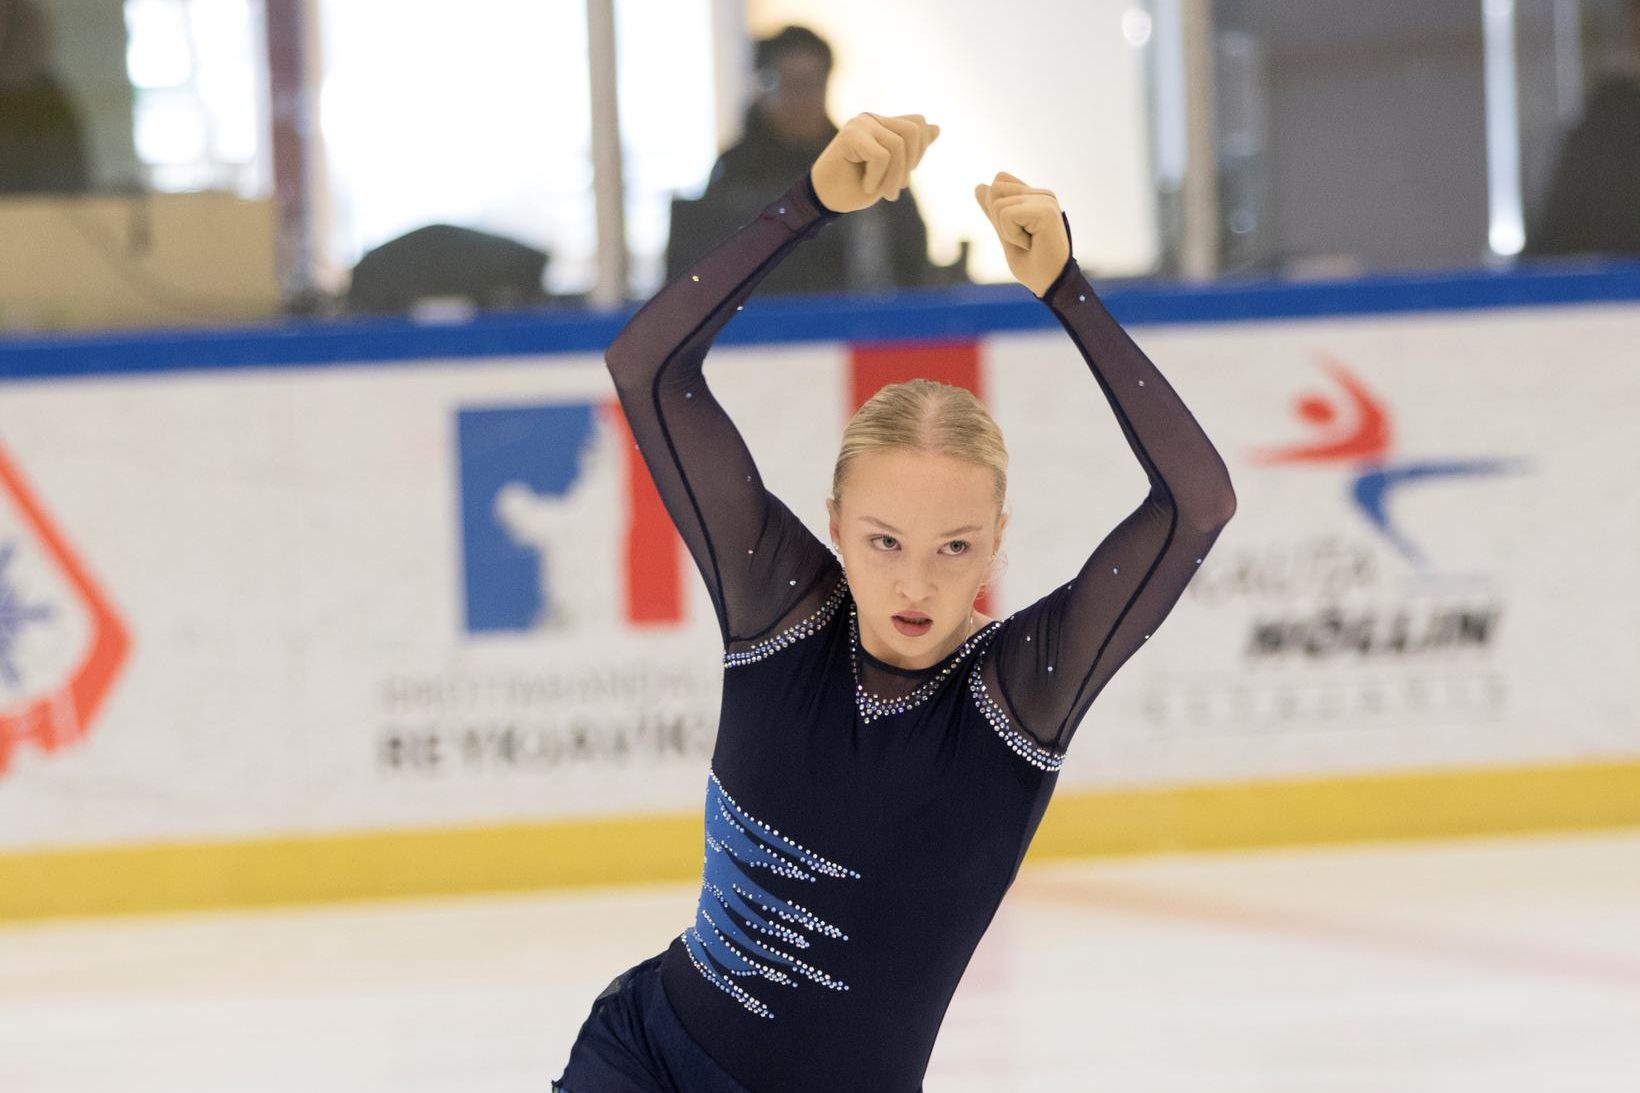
(742, 930)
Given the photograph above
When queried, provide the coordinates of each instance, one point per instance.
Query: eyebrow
(897, 531)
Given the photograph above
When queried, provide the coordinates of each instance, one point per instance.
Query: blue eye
(887, 539)
(962, 543)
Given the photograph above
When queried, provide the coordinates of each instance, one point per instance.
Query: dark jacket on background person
(1594, 200)
(873, 250)
(41, 150)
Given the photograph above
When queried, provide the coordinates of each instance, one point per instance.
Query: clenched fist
(1031, 227)
(871, 156)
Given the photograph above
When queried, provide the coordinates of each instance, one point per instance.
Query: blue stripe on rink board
(963, 312)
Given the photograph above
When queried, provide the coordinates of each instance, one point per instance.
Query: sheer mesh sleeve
(760, 563)
(1052, 658)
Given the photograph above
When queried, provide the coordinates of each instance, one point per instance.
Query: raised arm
(759, 561)
(1054, 656)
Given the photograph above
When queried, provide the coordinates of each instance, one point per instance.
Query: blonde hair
(924, 416)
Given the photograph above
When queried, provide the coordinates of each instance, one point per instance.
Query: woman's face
(917, 532)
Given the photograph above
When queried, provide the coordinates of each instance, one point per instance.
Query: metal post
(290, 116)
(731, 68)
(1506, 230)
(1568, 62)
(1199, 252)
(608, 186)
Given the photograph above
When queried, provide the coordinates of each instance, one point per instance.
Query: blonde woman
(884, 752)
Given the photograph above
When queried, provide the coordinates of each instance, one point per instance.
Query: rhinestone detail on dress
(793, 633)
(874, 706)
(733, 907)
(1026, 746)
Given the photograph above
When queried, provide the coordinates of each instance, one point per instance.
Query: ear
(832, 517)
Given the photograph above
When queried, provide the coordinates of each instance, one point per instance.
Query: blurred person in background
(786, 128)
(1594, 200)
(41, 149)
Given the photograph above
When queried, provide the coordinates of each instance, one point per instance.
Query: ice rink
(1499, 965)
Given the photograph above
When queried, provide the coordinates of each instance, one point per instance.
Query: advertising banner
(248, 603)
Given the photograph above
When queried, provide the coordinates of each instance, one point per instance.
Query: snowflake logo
(14, 616)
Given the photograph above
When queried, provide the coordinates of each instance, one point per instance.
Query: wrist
(808, 190)
(1070, 267)
(800, 208)
(1066, 272)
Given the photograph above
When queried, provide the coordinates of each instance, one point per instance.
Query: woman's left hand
(1031, 227)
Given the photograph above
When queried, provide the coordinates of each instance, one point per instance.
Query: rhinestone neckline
(873, 706)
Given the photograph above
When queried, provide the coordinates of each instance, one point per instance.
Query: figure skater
(884, 752)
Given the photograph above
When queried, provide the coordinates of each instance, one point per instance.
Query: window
(199, 76)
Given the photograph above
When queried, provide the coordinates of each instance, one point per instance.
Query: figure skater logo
(561, 524)
(61, 644)
(1362, 437)
(539, 496)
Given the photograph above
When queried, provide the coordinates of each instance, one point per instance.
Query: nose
(915, 583)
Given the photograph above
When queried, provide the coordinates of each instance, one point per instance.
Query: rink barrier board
(667, 847)
(967, 311)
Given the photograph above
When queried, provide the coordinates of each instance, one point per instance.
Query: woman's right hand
(872, 156)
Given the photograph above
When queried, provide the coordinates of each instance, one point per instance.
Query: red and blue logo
(61, 643)
(561, 525)
(1355, 431)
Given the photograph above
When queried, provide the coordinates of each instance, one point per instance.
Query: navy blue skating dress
(863, 821)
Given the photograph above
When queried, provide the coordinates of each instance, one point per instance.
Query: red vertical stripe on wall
(955, 362)
(875, 366)
(654, 553)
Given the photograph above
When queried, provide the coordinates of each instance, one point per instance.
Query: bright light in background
(1170, 111)
(169, 130)
(478, 119)
(1065, 110)
(668, 120)
(483, 121)
(1506, 232)
(1137, 26)
(230, 33)
(158, 53)
(198, 70)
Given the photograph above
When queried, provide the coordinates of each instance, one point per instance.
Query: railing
(954, 313)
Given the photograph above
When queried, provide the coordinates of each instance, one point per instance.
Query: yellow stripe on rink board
(188, 876)
(121, 880)
(1421, 805)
